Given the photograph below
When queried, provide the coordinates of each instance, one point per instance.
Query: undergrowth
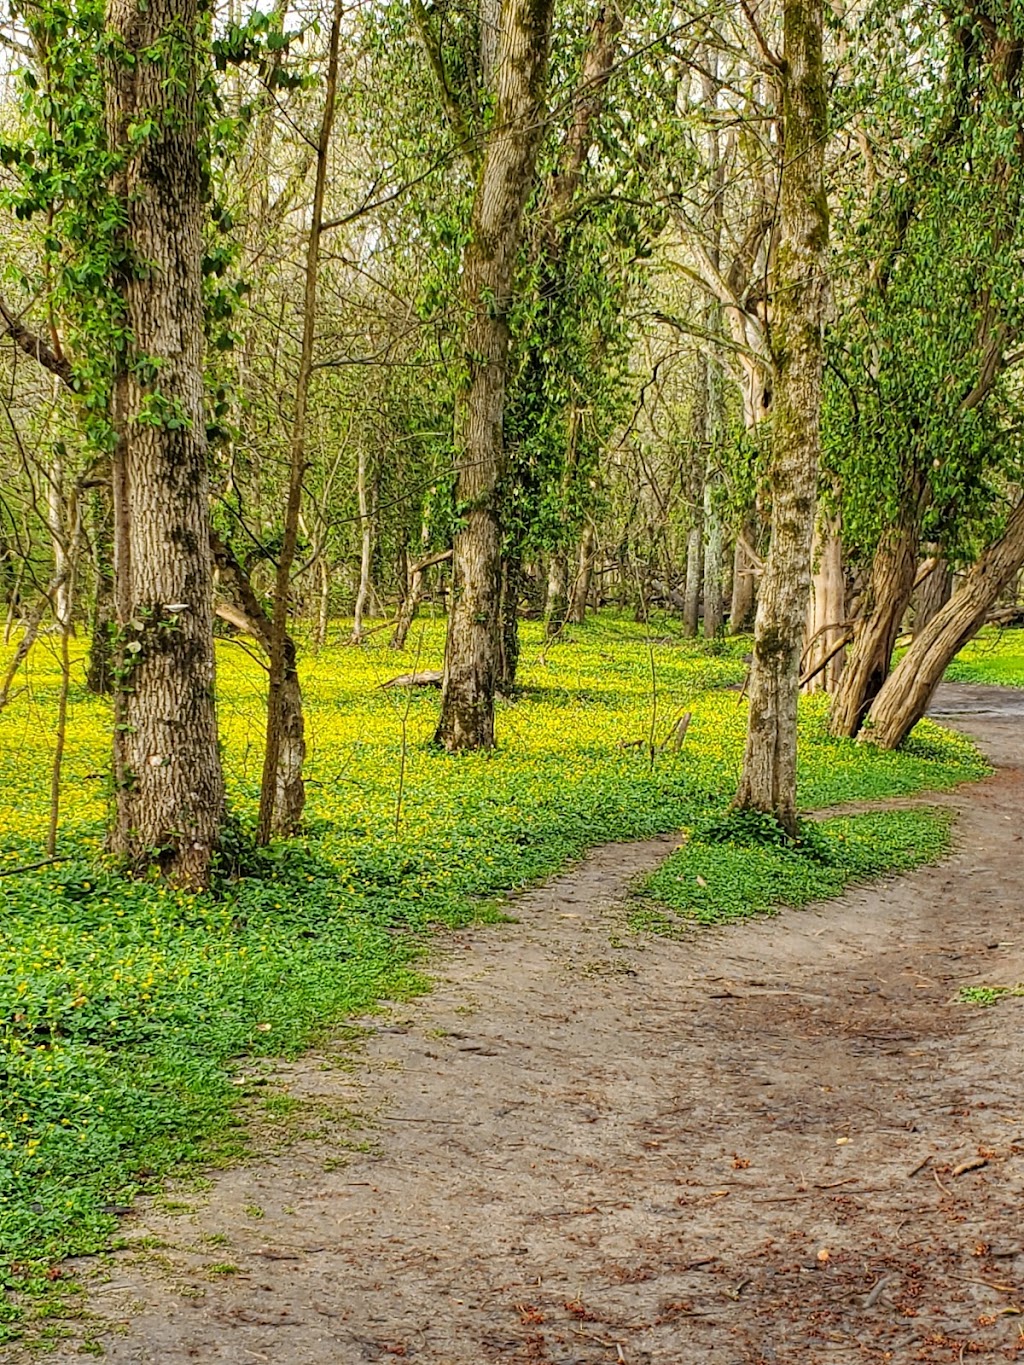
(126, 1010)
(744, 864)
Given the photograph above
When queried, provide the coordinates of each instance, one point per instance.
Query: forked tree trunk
(580, 594)
(768, 782)
(473, 647)
(168, 782)
(236, 585)
(826, 624)
(282, 790)
(875, 632)
(904, 698)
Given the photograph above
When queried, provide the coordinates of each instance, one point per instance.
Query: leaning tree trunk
(904, 698)
(168, 782)
(875, 633)
(826, 624)
(474, 642)
(768, 782)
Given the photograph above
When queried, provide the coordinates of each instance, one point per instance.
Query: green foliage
(741, 866)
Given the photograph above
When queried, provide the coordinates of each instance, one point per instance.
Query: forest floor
(785, 1140)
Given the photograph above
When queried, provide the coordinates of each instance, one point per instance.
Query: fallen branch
(430, 677)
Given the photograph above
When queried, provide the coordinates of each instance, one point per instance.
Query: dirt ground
(781, 1142)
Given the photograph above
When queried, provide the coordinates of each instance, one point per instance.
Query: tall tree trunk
(826, 612)
(282, 791)
(474, 640)
(579, 597)
(768, 781)
(906, 693)
(876, 630)
(168, 781)
(323, 615)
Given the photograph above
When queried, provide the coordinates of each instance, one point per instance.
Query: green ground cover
(993, 656)
(731, 870)
(126, 1010)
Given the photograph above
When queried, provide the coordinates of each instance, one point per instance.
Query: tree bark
(237, 586)
(768, 781)
(557, 602)
(511, 590)
(713, 564)
(826, 612)
(169, 786)
(579, 597)
(474, 640)
(933, 593)
(365, 591)
(906, 693)
(99, 674)
(282, 791)
(876, 630)
(744, 594)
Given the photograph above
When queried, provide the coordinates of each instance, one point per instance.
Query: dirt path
(745, 1146)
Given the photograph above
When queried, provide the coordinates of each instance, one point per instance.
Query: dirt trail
(745, 1146)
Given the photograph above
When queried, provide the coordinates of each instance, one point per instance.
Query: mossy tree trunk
(768, 781)
(169, 786)
(473, 647)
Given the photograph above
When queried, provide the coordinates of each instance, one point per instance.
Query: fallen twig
(974, 1164)
(919, 1167)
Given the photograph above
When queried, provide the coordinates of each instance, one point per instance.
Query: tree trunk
(933, 593)
(365, 592)
(741, 607)
(237, 586)
(511, 589)
(168, 781)
(99, 673)
(906, 693)
(694, 578)
(826, 612)
(323, 616)
(713, 601)
(875, 632)
(474, 641)
(768, 782)
(282, 790)
(557, 602)
(580, 594)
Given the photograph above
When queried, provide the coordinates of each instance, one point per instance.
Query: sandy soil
(781, 1142)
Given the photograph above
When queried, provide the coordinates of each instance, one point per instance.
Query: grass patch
(993, 656)
(128, 1011)
(988, 995)
(736, 868)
